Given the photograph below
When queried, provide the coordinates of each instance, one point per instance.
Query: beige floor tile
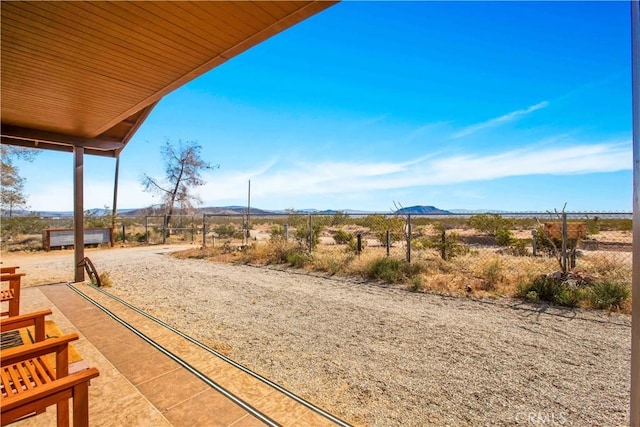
(312, 419)
(281, 408)
(213, 409)
(168, 390)
(152, 365)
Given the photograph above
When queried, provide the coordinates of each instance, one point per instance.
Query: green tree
(12, 195)
(183, 168)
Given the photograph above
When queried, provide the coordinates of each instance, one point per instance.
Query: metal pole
(635, 323)
(78, 212)
(310, 235)
(409, 239)
(564, 243)
(249, 212)
(164, 229)
(388, 243)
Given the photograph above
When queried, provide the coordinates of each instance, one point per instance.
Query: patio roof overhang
(87, 74)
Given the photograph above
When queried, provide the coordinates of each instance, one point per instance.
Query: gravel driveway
(378, 355)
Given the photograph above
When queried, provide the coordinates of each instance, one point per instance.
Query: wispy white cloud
(332, 178)
(288, 182)
(514, 115)
(420, 131)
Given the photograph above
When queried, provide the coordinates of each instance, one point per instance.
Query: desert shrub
(139, 237)
(340, 218)
(342, 237)
(12, 226)
(546, 288)
(518, 247)
(298, 258)
(492, 273)
(225, 230)
(302, 233)
(504, 237)
(276, 233)
(98, 218)
(380, 224)
(105, 279)
(416, 283)
(386, 269)
(490, 224)
(282, 253)
(446, 243)
(609, 295)
(332, 262)
(392, 270)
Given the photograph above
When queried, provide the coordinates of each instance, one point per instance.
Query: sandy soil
(379, 355)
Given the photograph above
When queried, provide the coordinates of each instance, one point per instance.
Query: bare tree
(183, 168)
(12, 195)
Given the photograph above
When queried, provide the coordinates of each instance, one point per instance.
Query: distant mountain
(477, 211)
(421, 210)
(227, 210)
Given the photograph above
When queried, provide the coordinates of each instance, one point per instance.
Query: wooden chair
(29, 384)
(35, 319)
(8, 270)
(12, 295)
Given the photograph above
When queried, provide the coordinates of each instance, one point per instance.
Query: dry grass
(480, 273)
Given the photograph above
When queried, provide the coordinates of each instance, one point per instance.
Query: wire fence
(598, 242)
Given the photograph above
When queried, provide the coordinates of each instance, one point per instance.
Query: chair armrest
(35, 319)
(9, 403)
(5, 277)
(24, 352)
(22, 321)
(9, 270)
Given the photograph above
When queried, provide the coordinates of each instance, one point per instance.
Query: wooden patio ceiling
(88, 73)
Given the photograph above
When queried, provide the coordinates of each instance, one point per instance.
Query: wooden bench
(30, 384)
(11, 295)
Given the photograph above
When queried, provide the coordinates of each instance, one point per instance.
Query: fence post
(409, 238)
(388, 243)
(443, 245)
(310, 235)
(564, 243)
(124, 233)
(534, 241)
(359, 243)
(286, 232)
(204, 230)
(164, 229)
(146, 229)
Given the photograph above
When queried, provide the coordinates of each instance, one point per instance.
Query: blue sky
(506, 105)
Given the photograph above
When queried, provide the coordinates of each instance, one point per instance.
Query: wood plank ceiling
(88, 73)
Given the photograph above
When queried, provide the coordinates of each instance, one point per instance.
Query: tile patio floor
(141, 386)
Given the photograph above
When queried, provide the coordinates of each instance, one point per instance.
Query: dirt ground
(379, 355)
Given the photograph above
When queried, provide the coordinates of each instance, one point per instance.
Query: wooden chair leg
(62, 412)
(81, 405)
